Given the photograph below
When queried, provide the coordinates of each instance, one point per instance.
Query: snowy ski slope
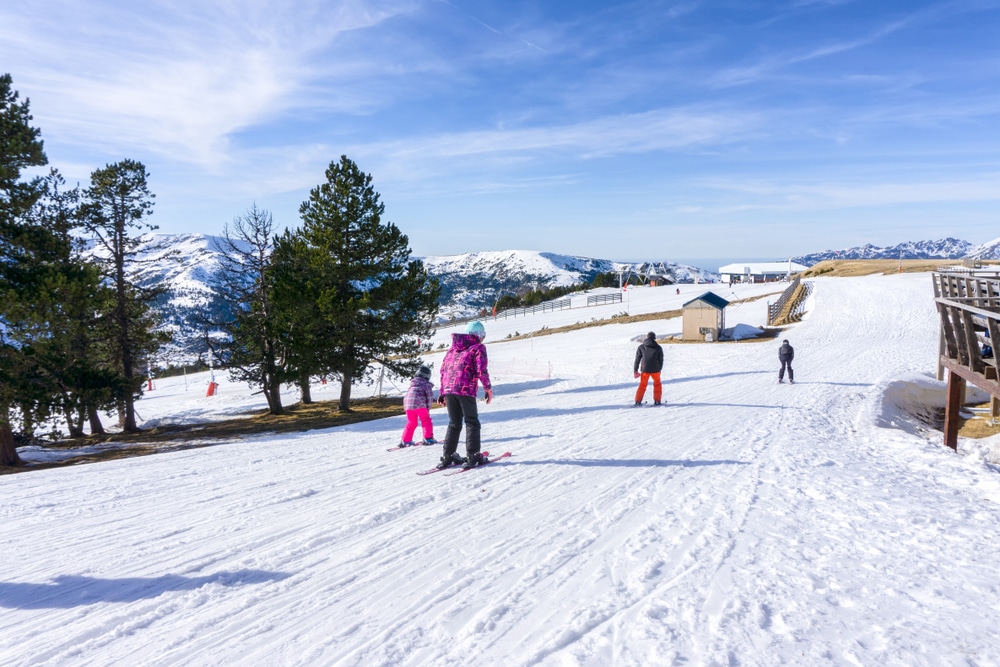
(747, 523)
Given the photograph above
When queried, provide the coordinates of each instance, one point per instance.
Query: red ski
(434, 470)
(488, 461)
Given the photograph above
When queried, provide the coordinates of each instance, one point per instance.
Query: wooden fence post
(956, 392)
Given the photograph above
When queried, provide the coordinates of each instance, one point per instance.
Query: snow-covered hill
(185, 263)
(942, 249)
(470, 282)
(745, 523)
(988, 250)
(473, 281)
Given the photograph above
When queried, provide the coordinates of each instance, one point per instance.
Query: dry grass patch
(847, 268)
(979, 425)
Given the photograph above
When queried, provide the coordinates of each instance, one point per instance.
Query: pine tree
(115, 206)
(371, 302)
(20, 148)
(69, 347)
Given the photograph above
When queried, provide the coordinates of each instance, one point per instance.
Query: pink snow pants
(411, 424)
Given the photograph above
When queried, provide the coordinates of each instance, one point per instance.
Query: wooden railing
(968, 305)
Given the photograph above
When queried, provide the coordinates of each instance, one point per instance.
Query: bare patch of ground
(977, 426)
(867, 267)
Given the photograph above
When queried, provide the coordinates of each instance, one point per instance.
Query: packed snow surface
(746, 523)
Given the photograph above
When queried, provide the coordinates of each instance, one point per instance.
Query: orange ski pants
(657, 387)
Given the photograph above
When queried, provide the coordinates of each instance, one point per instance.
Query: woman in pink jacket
(463, 368)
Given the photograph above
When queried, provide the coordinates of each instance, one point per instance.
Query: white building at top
(759, 272)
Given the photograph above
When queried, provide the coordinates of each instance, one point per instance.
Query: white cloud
(611, 135)
(172, 78)
(773, 196)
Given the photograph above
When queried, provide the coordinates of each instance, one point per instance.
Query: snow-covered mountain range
(470, 282)
(947, 248)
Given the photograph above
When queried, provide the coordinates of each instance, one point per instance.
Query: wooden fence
(774, 309)
(968, 305)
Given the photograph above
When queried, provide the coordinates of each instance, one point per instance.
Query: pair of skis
(457, 470)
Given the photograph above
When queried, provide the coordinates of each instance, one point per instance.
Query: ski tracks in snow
(744, 523)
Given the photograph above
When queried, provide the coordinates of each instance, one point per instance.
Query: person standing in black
(785, 355)
(649, 360)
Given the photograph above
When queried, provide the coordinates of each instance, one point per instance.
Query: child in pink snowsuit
(417, 403)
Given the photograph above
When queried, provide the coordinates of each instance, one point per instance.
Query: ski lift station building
(704, 317)
(759, 272)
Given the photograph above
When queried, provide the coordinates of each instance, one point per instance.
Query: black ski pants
(791, 373)
(461, 408)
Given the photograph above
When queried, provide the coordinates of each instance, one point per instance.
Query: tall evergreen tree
(244, 283)
(69, 347)
(115, 207)
(370, 297)
(20, 148)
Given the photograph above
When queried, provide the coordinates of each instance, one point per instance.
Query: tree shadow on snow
(729, 405)
(527, 413)
(518, 438)
(665, 379)
(840, 384)
(630, 463)
(692, 378)
(507, 388)
(600, 387)
(67, 591)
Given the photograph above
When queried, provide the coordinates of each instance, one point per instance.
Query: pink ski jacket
(419, 395)
(464, 366)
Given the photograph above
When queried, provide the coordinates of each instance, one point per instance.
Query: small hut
(704, 317)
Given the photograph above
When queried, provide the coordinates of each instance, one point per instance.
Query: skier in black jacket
(785, 355)
(649, 360)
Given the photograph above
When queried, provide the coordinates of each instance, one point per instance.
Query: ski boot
(474, 460)
(406, 444)
(449, 461)
(429, 441)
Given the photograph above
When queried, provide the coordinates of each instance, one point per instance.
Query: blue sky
(614, 130)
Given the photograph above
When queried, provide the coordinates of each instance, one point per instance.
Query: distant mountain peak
(947, 248)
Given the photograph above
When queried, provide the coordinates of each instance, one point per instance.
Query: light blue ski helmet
(476, 329)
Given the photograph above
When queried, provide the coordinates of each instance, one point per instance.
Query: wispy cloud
(175, 78)
(772, 65)
(611, 135)
(758, 195)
